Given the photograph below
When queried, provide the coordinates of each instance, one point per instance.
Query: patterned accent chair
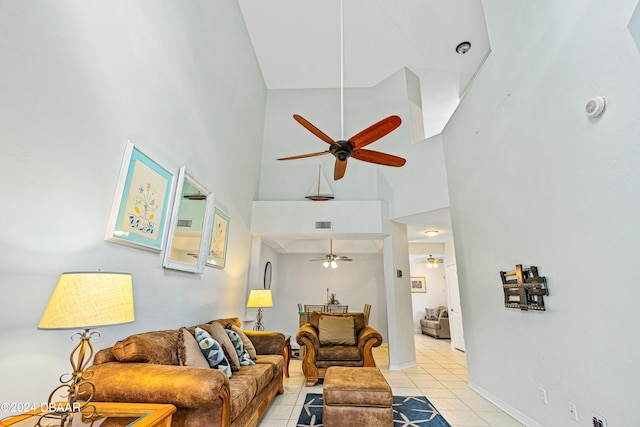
(336, 339)
(436, 322)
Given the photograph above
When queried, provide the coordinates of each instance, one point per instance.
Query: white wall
(298, 280)
(533, 181)
(417, 187)
(79, 78)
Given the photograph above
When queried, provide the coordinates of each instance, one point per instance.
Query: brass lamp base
(64, 411)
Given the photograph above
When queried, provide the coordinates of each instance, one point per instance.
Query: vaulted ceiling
(298, 45)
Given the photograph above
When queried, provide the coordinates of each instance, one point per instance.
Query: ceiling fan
(432, 262)
(331, 259)
(352, 147)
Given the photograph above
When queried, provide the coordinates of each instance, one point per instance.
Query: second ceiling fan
(354, 146)
(331, 259)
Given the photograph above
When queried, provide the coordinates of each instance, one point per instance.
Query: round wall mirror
(267, 275)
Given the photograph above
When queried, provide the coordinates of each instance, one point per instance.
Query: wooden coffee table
(125, 414)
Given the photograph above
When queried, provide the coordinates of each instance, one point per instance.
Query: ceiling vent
(185, 223)
(324, 225)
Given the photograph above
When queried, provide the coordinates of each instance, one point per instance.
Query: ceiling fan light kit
(331, 259)
(432, 262)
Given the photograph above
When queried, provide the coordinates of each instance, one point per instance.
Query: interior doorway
(455, 313)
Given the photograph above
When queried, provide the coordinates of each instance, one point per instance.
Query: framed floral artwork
(219, 239)
(141, 202)
(418, 284)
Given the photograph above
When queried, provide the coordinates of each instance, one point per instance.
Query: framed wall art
(418, 284)
(141, 202)
(219, 239)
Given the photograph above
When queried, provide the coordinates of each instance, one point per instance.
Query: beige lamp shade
(260, 298)
(89, 299)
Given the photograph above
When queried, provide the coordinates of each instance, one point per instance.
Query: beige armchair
(336, 339)
(436, 322)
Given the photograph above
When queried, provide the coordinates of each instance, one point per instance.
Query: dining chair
(367, 311)
(309, 308)
(337, 308)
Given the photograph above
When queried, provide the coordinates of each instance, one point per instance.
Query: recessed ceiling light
(463, 48)
(431, 233)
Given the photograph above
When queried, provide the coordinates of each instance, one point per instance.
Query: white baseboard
(402, 366)
(505, 407)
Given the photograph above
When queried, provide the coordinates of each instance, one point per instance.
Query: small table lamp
(259, 298)
(85, 300)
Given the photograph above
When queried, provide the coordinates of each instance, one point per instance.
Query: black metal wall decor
(524, 288)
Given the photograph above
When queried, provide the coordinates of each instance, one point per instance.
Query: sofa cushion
(217, 332)
(212, 350)
(358, 319)
(339, 352)
(262, 374)
(433, 324)
(189, 352)
(243, 389)
(336, 330)
(276, 362)
(158, 347)
(243, 355)
(248, 345)
(432, 313)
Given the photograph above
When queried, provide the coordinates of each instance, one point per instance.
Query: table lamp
(85, 300)
(259, 298)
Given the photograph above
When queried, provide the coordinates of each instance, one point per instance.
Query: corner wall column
(402, 348)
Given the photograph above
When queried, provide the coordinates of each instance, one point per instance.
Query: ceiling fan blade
(302, 156)
(339, 169)
(378, 158)
(375, 132)
(314, 130)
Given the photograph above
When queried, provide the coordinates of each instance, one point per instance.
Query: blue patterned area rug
(412, 411)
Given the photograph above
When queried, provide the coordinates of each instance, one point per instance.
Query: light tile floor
(441, 375)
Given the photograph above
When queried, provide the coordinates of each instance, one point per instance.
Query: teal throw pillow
(212, 350)
(243, 355)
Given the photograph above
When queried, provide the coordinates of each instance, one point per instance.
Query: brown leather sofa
(329, 341)
(203, 396)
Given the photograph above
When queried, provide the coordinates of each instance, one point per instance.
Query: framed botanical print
(141, 202)
(219, 239)
(418, 284)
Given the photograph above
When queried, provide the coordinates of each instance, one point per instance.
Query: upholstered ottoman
(356, 397)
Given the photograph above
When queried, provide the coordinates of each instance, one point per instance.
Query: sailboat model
(320, 189)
